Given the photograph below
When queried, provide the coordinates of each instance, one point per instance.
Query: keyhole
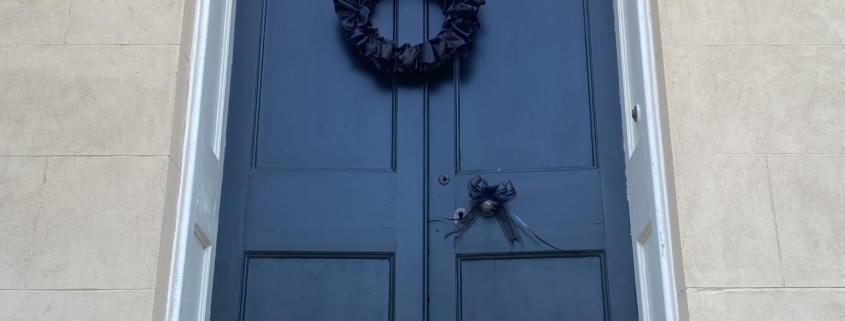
(635, 113)
(443, 179)
(459, 214)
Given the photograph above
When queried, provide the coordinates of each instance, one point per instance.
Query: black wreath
(453, 39)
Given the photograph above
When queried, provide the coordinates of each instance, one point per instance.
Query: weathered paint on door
(331, 185)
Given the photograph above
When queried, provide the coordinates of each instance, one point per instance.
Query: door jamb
(648, 38)
(201, 29)
(658, 170)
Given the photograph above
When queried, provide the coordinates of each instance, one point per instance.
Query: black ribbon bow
(489, 201)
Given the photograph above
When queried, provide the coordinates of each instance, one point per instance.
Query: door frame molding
(658, 170)
(647, 38)
(202, 29)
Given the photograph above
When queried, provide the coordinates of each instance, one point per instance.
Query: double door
(339, 181)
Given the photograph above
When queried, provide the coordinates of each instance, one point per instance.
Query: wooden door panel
(563, 207)
(320, 108)
(318, 289)
(321, 211)
(536, 104)
(524, 288)
(323, 214)
(324, 129)
(524, 99)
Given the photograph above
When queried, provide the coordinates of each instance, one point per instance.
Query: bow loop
(489, 201)
(480, 191)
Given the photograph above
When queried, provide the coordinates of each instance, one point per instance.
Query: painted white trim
(196, 138)
(186, 183)
(184, 228)
(651, 118)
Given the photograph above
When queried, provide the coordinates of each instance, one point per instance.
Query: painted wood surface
(650, 226)
(333, 167)
(195, 239)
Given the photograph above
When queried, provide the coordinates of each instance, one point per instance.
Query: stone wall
(755, 91)
(92, 104)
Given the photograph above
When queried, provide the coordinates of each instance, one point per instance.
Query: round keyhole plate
(443, 179)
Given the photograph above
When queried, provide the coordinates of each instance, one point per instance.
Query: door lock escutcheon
(443, 179)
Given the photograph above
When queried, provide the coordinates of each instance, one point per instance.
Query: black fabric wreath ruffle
(452, 41)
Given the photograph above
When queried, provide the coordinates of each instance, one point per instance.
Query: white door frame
(645, 169)
(197, 213)
(642, 36)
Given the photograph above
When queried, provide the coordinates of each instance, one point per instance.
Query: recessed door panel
(319, 108)
(539, 288)
(318, 289)
(526, 90)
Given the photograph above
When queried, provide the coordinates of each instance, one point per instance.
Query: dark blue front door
(335, 175)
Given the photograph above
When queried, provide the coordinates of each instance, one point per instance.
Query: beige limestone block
(662, 22)
(791, 22)
(159, 307)
(168, 228)
(87, 100)
(663, 107)
(33, 21)
(703, 22)
(180, 108)
(657, 36)
(187, 36)
(148, 22)
(674, 224)
(766, 304)
(21, 185)
(727, 227)
(756, 99)
(683, 306)
(100, 224)
(809, 199)
(89, 305)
